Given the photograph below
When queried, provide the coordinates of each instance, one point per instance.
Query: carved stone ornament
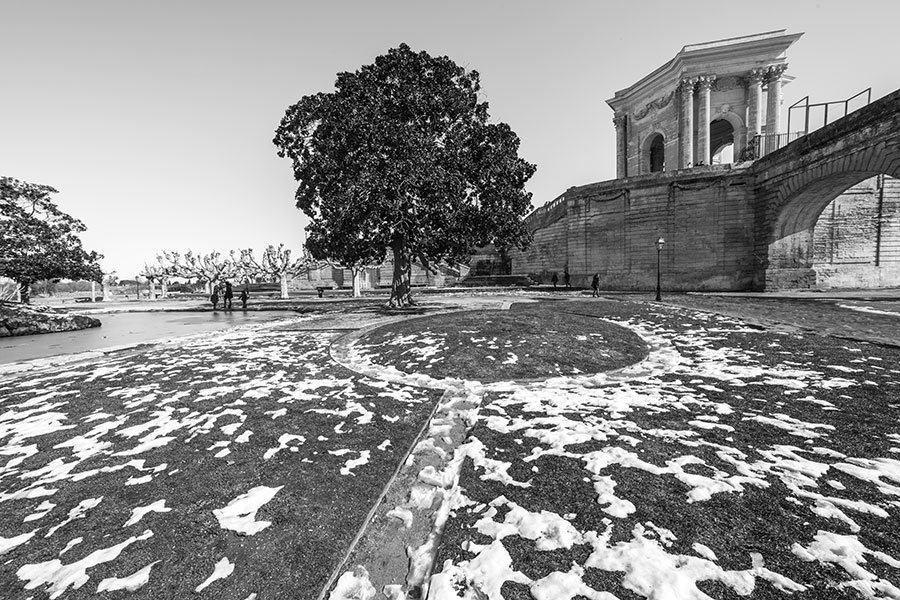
(724, 84)
(704, 82)
(619, 120)
(654, 105)
(756, 75)
(687, 84)
(775, 72)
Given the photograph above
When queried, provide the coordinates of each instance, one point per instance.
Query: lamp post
(659, 246)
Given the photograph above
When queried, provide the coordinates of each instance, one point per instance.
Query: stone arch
(653, 153)
(797, 203)
(739, 132)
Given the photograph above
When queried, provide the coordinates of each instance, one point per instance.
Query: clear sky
(154, 120)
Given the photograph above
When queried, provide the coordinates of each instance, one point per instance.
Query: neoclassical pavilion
(704, 106)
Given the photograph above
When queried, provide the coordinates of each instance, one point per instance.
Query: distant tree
(401, 158)
(38, 241)
(207, 269)
(276, 264)
(153, 274)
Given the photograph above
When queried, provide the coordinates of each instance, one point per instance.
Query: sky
(155, 120)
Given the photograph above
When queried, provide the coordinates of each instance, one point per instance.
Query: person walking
(215, 298)
(566, 278)
(595, 285)
(229, 294)
(244, 295)
(554, 280)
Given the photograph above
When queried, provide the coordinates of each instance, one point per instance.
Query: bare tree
(276, 264)
(208, 269)
(153, 274)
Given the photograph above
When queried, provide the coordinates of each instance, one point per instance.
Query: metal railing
(766, 143)
(841, 108)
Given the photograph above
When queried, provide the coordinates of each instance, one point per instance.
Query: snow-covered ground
(153, 472)
(731, 461)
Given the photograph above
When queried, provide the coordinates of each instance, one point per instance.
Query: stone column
(621, 146)
(686, 137)
(754, 100)
(704, 82)
(773, 104)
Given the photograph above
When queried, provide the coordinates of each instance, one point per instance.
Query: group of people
(595, 282)
(228, 296)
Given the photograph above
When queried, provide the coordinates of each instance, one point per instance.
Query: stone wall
(611, 227)
(856, 241)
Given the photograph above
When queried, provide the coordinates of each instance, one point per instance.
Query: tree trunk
(357, 281)
(164, 285)
(25, 293)
(284, 286)
(209, 287)
(152, 290)
(400, 283)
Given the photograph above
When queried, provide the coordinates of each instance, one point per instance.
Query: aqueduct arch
(799, 181)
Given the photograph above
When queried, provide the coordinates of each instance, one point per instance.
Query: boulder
(24, 319)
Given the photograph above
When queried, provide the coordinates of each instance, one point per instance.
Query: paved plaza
(749, 449)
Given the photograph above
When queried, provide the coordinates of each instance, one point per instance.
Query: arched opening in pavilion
(721, 142)
(657, 154)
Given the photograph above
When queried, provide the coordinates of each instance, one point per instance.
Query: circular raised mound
(491, 345)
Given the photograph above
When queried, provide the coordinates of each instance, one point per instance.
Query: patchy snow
(7, 544)
(283, 442)
(240, 514)
(403, 514)
(59, 577)
(223, 569)
(138, 513)
(352, 463)
(353, 585)
(129, 583)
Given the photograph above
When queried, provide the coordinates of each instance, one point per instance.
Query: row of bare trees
(237, 266)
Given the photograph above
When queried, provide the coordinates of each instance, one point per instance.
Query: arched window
(657, 154)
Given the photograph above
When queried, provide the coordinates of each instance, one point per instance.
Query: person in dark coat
(595, 285)
(215, 298)
(244, 295)
(554, 279)
(229, 294)
(566, 278)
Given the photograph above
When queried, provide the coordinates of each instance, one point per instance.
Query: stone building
(709, 101)
(706, 161)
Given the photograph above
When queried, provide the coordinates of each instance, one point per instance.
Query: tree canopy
(401, 157)
(39, 241)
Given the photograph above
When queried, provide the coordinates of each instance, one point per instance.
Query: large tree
(401, 158)
(39, 241)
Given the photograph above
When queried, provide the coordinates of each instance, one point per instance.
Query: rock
(23, 319)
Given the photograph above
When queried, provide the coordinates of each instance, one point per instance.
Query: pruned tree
(207, 269)
(153, 274)
(38, 241)
(401, 158)
(275, 264)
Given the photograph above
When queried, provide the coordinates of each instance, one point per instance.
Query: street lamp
(659, 246)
